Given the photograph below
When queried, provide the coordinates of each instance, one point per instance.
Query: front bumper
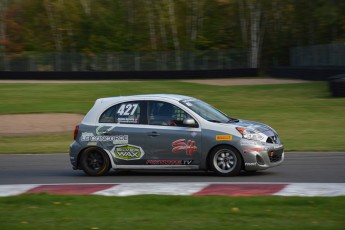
(260, 156)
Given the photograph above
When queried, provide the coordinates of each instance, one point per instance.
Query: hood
(260, 127)
(265, 132)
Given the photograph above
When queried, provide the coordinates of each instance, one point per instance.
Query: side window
(132, 112)
(163, 113)
(108, 116)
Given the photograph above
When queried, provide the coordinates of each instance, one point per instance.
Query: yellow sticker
(223, 137)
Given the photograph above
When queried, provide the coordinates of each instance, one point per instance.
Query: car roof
(175, 97)
(103, 103)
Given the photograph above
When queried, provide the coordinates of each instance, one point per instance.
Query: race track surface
(299, 167)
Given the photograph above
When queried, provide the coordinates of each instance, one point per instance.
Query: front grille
(276, 155)
(272, 140)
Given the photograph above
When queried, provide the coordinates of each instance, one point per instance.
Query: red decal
(70, 189)
(240, 190)
(180, 145)
(164, 162)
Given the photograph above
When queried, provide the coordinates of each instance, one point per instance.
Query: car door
(128, 132)
(172, 142)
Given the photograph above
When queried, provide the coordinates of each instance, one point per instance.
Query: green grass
(50, 143)
(304, 115)
(170, 212)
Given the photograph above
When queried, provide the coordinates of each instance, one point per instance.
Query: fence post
(137, 62)
(32, 64)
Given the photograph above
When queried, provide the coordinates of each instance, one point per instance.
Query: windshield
(206, 111)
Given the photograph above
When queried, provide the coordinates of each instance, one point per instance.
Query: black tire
(225, 161)
(95, 162)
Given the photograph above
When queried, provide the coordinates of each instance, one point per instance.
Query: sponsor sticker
(182, 144)
(250, 164)
(127, 120)
(102, 129)
(223, 137)
(86, 136)
(169, 162)
(128, 152)
(118, 139)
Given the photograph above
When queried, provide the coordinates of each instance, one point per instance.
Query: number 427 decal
(127, 109)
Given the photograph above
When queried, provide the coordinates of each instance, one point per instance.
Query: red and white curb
(192, 189)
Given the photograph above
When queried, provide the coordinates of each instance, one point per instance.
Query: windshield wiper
(216, 121)
(232, 120)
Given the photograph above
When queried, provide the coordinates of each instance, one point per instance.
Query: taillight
(76, 131)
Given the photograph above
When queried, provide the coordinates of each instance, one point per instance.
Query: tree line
(266, 28)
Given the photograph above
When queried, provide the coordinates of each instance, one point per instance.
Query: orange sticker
(223, 137)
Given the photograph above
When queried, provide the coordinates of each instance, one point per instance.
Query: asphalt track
(298, 167)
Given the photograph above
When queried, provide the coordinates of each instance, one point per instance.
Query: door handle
(153, 134)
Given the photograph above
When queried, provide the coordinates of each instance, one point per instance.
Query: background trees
(266, 28)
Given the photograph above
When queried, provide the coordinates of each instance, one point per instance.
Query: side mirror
(190, 122)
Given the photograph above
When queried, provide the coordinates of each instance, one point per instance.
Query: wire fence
(318, 55)
(125, 61)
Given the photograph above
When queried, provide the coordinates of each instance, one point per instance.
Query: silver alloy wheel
(224, 160)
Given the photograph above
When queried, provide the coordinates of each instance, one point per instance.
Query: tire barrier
(310, 73)
(337, 85)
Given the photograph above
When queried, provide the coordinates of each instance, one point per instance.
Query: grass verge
(170, 212)
(304, 115)
(49, 143)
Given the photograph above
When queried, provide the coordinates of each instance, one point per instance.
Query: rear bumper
(74, 150)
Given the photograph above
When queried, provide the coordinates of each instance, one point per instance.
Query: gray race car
(166, 131)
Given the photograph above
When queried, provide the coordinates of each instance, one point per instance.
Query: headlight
(250, 134)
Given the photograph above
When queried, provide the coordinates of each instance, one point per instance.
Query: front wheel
(225, 161)
(95, 162)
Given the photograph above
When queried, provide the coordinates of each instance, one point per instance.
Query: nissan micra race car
(165, 131)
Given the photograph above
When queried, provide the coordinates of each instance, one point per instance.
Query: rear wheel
(95, 162)
(225, 161)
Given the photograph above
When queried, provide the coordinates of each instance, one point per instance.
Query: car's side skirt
(182, 167)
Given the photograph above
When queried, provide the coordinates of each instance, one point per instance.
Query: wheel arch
(99, 149)
(216, 146)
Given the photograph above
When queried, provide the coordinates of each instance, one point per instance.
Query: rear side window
(132, 112)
